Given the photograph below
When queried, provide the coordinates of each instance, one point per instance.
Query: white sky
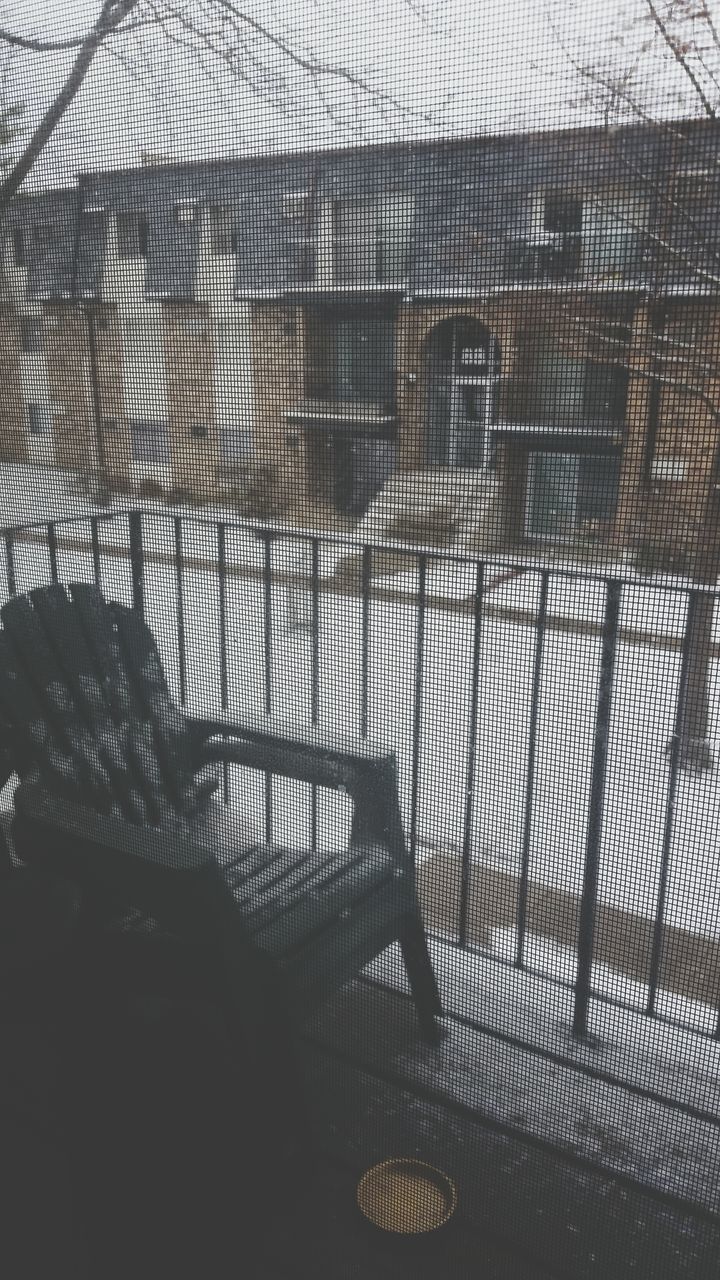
(453, 66)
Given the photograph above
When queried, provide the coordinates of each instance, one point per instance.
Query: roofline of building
(455, 142)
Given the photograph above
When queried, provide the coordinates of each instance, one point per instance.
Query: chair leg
(421, 977)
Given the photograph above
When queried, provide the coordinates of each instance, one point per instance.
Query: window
(18, 246)
(372, 240)
(605, 393)
(235, 441)
(349, 355)
(31, 335)
(570, 494)
(223, 239)
(40, 419)
(693, 185)
(565, 391)
(614, 233)
(301, 219)
(185, 213)
(563, 213)
(301, 259)
(295, 206)
(149, 442)
(132, 235)
(551, 243)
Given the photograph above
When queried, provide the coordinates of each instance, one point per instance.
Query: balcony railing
(536, 714)
(538, 718)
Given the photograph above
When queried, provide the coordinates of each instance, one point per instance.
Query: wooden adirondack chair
(118, 792)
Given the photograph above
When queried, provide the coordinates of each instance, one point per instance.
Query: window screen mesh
(365, 361)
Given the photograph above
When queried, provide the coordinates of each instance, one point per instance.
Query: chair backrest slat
(86, 706)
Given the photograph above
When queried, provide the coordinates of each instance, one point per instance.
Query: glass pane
(552, 495)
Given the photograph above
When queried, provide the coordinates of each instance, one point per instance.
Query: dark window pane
(605, 393)
(132, 235)
(31, 334)
(563, 213)
(598, 487)
(40, 419)
(222, 236)
(350, 355)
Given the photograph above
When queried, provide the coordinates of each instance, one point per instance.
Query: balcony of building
(573, 1101)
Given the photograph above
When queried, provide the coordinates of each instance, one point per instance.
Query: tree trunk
(694, 752)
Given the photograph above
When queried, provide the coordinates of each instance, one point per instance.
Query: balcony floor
(134, 1142)
(138, 1123)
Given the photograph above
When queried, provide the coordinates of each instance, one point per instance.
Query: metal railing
(234, 604)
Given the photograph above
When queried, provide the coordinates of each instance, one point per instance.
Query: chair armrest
(340, 749)
(361, 768)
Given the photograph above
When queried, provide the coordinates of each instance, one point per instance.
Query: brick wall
(278, 344)
(13, 432)
(194, 445)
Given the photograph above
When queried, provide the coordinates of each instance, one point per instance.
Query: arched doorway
(462, 376)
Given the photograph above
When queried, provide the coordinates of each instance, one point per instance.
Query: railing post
(669, 822)
(137, 561)
(365, 672)
(417, 698)
(471, 759)
(588, 902)
(52, 550)
(522, 901)
(10, 564)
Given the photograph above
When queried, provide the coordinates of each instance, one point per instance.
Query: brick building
(295, 328)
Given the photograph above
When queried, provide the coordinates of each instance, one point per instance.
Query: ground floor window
(346, 470)
(40, 419)
(570, 494)
(236, 441)
(149, 441)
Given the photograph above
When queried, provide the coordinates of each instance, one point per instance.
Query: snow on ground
(641, 722)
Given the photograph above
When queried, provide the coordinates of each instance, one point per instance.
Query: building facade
(291, 330)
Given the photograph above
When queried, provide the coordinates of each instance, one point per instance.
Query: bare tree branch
(678, 53)
(35, 44)
(111, 15)
(315, 68)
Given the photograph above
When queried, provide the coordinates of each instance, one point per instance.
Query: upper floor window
(566, 232)
(132, 235)
(302, 219)
(185, 213)
(550, 245)
(565, 390)
(18, 246)
(562, 213)
(372, 239)
(696, 184)
(349, 355)
(223, 239)
(31, 335)
(604, 392)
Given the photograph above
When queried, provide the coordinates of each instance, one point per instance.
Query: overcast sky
(436, 68)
